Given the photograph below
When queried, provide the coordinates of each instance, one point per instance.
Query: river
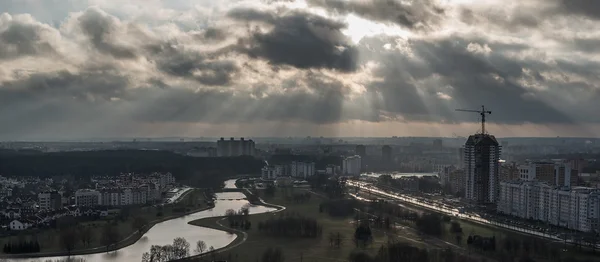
(163, 233)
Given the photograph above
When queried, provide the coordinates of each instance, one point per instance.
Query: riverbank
(127, 241)
(249, 245)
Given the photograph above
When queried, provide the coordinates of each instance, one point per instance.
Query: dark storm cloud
(249, 14)
(588, 8)
(99, 28)
(299, 39)
(193, 65)
(509, 20)
(470, 81)
(421, 14)
(22, 39)
(90, 85)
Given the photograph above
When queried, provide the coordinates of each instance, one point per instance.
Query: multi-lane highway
(440, 208)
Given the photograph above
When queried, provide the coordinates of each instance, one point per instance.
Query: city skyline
(82, 69)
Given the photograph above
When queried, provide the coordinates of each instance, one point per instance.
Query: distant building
(457, 181)
(302, 170)
(351, 165)
(361, 150)
(554, 174)
(482, 155)
(386, 153)
(232, 147)
(87, 197)
(509, 171)
(50, 200)
(332, 169)
(272, 172)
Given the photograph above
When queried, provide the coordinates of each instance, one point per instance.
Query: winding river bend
(164, 233)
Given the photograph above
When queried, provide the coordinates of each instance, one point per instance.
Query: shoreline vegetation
(125, 242)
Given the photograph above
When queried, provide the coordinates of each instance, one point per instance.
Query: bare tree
(200, 247)
(181, 248)
(68, 239)
(157, 254)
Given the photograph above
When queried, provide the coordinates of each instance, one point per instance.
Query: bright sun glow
(359, 28)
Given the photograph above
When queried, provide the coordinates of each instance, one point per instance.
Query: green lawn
(300, 249)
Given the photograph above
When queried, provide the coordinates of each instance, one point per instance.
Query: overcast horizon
(80, 69)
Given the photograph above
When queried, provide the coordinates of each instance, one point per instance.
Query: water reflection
(164, 233)
(230, 183)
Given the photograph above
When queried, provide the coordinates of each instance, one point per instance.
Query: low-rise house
(19, 224)
(11, 213)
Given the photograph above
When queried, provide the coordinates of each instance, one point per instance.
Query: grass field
(49, 239)
(319, 250)
(314, 250)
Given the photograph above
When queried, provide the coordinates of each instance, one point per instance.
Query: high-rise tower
(482, 153)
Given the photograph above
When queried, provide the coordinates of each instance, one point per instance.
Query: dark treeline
(299, 197)
(239, 219)
(339, 207)
(332, 187)
(430, 224)
(291, 225)
(205, 171)
(22, 247)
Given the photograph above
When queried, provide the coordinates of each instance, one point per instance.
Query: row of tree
(69, 237)
(239, 219)
(178, 250)
(291, 225)
(22, 247)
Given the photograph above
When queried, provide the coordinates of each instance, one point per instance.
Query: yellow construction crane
(481, 112)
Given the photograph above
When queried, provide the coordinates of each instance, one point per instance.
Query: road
(449, 211)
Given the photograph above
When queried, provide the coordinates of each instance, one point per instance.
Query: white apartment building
(301, 169)
(351, 165)
(165, 179)
(272, 172)
(576, 208)
(87, 197)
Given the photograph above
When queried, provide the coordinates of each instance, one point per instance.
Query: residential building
(50, 200)
(457, 181)
(232, 147)
(19, 225)
(482, 155)
(351, 165)
(87, 197)
(269, 173)
(554, 174)
(509, 171)
(166, 179)
(574, 208)
(301, 169)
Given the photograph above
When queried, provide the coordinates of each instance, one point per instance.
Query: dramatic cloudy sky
(106, 68)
